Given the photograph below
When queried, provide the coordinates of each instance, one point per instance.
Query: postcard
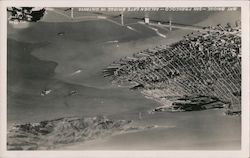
(127, 79)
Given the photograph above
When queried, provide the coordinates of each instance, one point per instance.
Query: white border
(244, 152)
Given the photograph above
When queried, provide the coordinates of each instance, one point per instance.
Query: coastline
(176, 128)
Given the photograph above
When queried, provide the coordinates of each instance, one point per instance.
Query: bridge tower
(122, 19)
(72, 13)
(170, 24)
(146, 20)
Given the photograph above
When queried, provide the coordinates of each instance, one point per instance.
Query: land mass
(50, 134)
(205, 63)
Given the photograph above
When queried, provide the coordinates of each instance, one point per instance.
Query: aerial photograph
(123, 78)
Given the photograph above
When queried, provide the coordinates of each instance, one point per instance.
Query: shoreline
(112, 136)
(164, 138)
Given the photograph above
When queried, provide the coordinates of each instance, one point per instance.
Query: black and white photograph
(125, 78)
